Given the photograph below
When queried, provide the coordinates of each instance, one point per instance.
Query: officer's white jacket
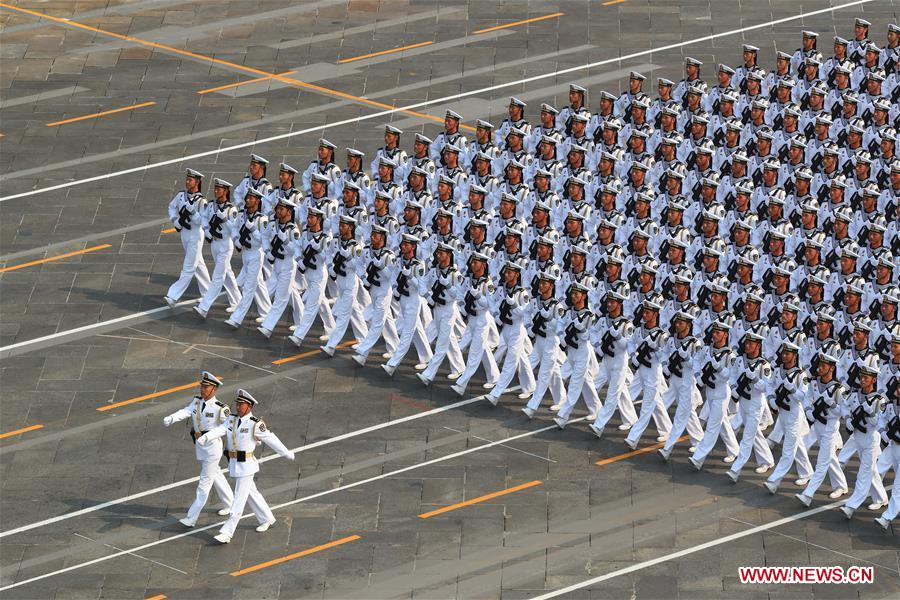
(205, 416)
(245, 434)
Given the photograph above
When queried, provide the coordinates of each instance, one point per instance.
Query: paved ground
(89, 497)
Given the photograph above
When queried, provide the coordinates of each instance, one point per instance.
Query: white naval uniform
(205, 416)
(445, 290)
(477, 305)
(511, 309)
(681, 365)
(185, 213)
(249, 237)
(345, 268)
(787, 398)
(610, 339)
(864, 412)
(580, 365)
(545, 354)
(645, 347)
(311, 257)
(750, 380)
(379, 280)
(825, 414)
(409, 291)
(281, 256)
(242, 436)
(892, 430)
(218, 224)
(715, 377)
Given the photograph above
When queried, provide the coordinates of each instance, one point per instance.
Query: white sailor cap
(548, 109)
(893, 28)
(507, 197)
(781, 55)
(516, 102)
(541, 172)
(756, 74)
(605, 95)
(256, 158)
(408, 238)
(323, 143)
(750, 48)
(862, 22)
(348, 220)
(287, 168)
(446, 180)
(286, 202)
(576, 181)
(579, 249)
(729, 95)
(413, 204)
(718, 285)
(871, 365)
(514, 163)
(515, 131)
(355, 152)
(653, 301)
(664, 82)
(614, 124)
(388, 128)
(641, 101)
(314, 211)
(830, 353)
(753, 293)
(479, 256)
(222, 183)
(453, 115)
(650, 265)
(839, 41)
(376, 228)
(423, 139)
(548, 139)
(482, 124)
(826, 313)
(382, 195)
(755, 333)
(386, 162)
(244, 396)
(789, 346)
(574, 87)
(542, 205)
(316, 176)
(512, 265)
(723, 68)
(722, 323)
(450, 148)
(580, 117)
(689, 60)
(636, 75)
(477, 189)
(418, 171)
(812, 61)
(350, 185)
(810, 34)
(193, 173)
(445, 247)
(252, 191)
(207, 378)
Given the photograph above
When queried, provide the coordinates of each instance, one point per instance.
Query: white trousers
(687, 396)
(545, 356)
(447, 344)
(412, 331)
(826, 461)
(380, 321)
(793, 450)
(752, 438)
(284, 289)
(347, 311)
(222, 276)
(718, 424)
(893, 509)
(647, 381)
(245, 491)
(613, 372)
(516, 360)
(253, 287)
(868, 479)
(314, 304)
(210, 477)
(193, 266)
(479, 333)
(581, 370)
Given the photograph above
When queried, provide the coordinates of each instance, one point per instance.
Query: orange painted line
(490, 496)
(516, 23)
(288, 359)
(159, 597)
(612, 459)
(284, 559)
(148, 396)
(240, 83)
(19, 431)
(100, 114)
(169, 230)
(219, 61)
(58, 257)
(611, 2)
(383, 52)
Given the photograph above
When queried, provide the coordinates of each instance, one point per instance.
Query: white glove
(291, 456)
(202, 439)
(168, 421)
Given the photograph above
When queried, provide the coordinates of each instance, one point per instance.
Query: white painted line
(131, 553)
(5, 350)
(688, 551)
(284, 504)
(320, 443)
(384, 113)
